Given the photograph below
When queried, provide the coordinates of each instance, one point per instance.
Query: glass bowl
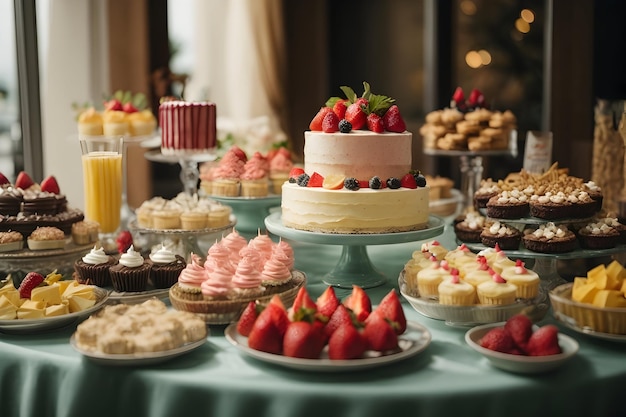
(603, 322)
(535, 308)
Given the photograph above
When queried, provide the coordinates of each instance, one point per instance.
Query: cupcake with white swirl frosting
(165, 267)
(131, 273)
(93, 268)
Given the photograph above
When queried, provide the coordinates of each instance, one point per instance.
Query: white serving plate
(520, 363)
(48, 323)
(136, 359)
(415, 340)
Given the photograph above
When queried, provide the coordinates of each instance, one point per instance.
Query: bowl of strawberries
(521, 347)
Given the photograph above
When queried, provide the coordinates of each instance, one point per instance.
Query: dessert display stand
(250, 211)
(189, 173)
(354, 266)
(546, 263)
(471, 165)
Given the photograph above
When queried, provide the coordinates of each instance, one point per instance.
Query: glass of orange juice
(102, 181)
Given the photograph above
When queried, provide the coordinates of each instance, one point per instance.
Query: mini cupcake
(115, 123)
(219, 216)
(234, 242)
(218, 284)
(166, 267)
(496, 292)
(226, 180)
(429, 278)
(280, 166)
(455, 291)
(90, 123)
(435, 248)
(190, 279)
(194, 220)
(287, 250)
(85, 232)
(142, 123)
(131, 273)
(43, 238)
(479, 275)
(526, 281)
(11, 241)
(275, 275)
(247, 279)
(93, 268)
(166, 218)
(254, 178)
(264, 244)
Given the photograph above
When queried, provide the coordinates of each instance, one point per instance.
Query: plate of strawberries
(521, 347)
(328, 334)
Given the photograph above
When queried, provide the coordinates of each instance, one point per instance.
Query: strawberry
(129, 108)
(359, 302)
(375, 123)
(408, 181)
(303, 301)
(303, 340)
(316, 180)
(356, 115)
(23, 181)
(393, 120)
(123, 241)
(50, 184)
(544, 341)
(327, 302)
(391, 309)
(364, 184)
(498, 339)
(4, 180)
(239, 153)
(520, 327)
(269, 329)
(113, 105)
(476, 98)
(30, 281)
(340, 316)
(458, 97)
(380, 334)
(296, 172)
(346, 343)
(339, 108)
(316, 123)
(330, 123)
(248, 317)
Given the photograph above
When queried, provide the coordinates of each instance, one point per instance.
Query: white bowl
(520, 363)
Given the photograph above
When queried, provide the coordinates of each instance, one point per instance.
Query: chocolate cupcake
(598, 235)
(165, 267)
(507, 237)
(93, 268)
(131, 273)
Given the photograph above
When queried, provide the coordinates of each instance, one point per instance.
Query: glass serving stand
(471, 165)
(354, 266)
(189, 173)
(250, 211)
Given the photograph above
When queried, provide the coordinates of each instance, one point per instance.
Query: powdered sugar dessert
(356, 164)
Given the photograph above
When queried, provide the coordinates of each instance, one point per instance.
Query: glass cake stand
(354, 266)
(250, 211)
(189, 173)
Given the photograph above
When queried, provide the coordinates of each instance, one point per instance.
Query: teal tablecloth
(41, 375)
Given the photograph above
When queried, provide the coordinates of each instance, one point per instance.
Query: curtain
(240, 65)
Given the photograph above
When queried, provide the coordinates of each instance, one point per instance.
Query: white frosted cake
(356, 181)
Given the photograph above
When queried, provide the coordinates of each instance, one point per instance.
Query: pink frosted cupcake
(219, 283)
(218, 254)
(254, 178)
(287, 250)
(234, 242)
(247, 279)
(190, 280)
(276, 276)
(264, 244)
(280, 166)
(226, 178)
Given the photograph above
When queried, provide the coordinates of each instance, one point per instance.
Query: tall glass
(103, 181)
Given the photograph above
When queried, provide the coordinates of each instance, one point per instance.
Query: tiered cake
(356, 180)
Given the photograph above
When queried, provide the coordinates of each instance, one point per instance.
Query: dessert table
(42, 375)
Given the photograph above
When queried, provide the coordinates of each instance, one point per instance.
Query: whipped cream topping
(131, 258)
(163, 256)
(474, 220)
(512, 196)
(500, 229)
(599, 227)
(96, 256)
(550, 231)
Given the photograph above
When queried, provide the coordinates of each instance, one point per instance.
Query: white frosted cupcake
(454, 291)
(526, 281)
